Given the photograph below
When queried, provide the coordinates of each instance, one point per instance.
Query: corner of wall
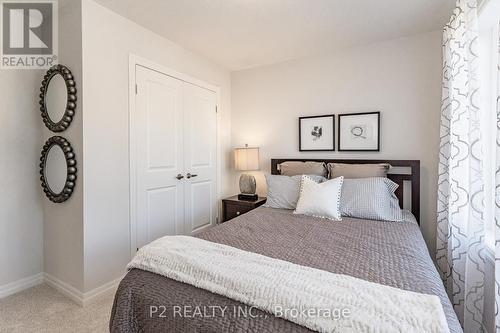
(63, 223)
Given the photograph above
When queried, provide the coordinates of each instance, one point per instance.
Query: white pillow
(320, 200)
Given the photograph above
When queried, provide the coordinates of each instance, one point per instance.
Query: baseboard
(106, 289)
(74, 294)
(20, 285)
(68, 290)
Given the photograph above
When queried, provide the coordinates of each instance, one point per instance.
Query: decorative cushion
(352, 171)
(283, 191)
(320, 199)
(371, 199)
(294, 168)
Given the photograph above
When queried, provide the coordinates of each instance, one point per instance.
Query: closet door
(200, 157)
(157, 137)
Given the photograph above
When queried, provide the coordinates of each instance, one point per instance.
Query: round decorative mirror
(58, 169)
(58, 98)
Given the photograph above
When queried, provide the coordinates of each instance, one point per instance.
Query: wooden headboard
(398, 177)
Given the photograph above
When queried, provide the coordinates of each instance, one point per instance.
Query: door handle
(179, 177)
(190, 176)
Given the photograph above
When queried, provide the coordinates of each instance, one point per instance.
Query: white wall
(21, 219)
(63, 223)
(108, 39)
(36, 235)
(401, 78)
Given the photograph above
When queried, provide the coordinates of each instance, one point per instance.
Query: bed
(392, 254)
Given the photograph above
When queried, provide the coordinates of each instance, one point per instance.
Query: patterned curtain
(460, 225)
(497, 201)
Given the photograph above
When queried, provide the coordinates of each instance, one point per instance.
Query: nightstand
(233, 207)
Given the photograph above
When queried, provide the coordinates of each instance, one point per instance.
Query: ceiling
(240, 34)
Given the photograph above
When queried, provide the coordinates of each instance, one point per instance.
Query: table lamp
(247, 159)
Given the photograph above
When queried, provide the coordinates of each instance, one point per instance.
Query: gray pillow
(283, 191)
(294, 168)
(352, 171)
(371, 199)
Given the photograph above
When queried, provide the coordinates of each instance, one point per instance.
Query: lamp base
(248, 185)
(248, 197)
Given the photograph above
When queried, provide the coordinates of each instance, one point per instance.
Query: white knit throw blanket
(319, 300)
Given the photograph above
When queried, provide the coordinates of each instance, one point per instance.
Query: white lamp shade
(246, 159)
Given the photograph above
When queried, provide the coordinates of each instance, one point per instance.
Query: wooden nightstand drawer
(234, 210)
(232, 207)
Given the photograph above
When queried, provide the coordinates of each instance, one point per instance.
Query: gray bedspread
(388, 253)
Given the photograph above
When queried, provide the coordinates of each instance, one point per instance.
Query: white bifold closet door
(175, 134)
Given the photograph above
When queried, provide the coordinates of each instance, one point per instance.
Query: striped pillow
(371, 199)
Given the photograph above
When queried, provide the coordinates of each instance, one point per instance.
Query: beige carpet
(43, 309)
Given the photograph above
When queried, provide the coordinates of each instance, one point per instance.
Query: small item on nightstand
(248, 197)
(247, 159)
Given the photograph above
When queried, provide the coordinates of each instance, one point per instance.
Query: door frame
(134, 61)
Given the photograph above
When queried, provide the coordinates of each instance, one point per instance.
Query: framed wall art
(317, 133)
(359, 131)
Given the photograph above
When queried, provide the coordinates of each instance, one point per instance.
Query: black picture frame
(312, 117)
(358, 114)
